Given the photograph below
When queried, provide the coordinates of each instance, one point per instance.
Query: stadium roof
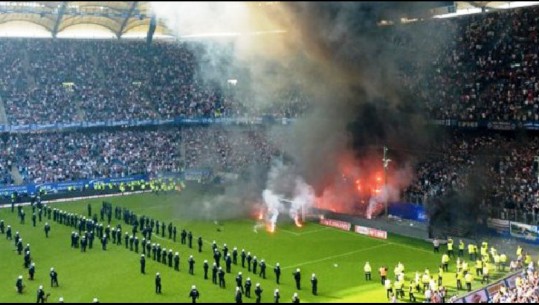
(119, 18)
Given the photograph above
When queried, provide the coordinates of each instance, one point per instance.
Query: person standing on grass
(277, 271)
(239, 281)
(295, 298)
(170, 256)
(19, 284)
(104, 242)
(249, 259)
(177, 261)
(436, 245)
(194, 294)
(200, 242)
(47, 229)
(314, 282)
(297, 278)
(228, 263)
(32, 271)
(214, 271)
(225, 250)
(450, 247)
(462, 246)
(367, 269)
(383, 274)
(276, 296)
(183, 236)
(40, 295)
(206, 267)
(222, 283)
(191, 265)
(238, 296)
(258, 293)
(234, 255)
(54, 278)
(157, 283)
(243, 257)
(190, 239)
(248, 285)
(262, 269)
(142, 264)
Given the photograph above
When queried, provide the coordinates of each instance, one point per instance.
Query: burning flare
(298, 223)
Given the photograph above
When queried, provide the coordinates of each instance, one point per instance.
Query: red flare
(270, 228)
(296, 220)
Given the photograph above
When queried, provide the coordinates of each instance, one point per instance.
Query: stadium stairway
(3, 115)
(27, 70)
(16, 175)
(182, 152)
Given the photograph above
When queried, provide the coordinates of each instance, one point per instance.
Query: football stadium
(267, 152)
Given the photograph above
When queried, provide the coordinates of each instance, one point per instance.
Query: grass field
(114, 275)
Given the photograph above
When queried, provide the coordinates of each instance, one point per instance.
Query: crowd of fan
(61, 81)
(506, 163)
(526, 289)
(67, 156)
(55, 157)
(229, 150)
(479, 67)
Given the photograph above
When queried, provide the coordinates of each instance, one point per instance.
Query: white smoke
(304, 198)
(282, 184)
(273, 206)
(391, 192)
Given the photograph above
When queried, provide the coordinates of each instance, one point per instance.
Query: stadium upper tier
(483, 67)
(49, 81)
(478, 67)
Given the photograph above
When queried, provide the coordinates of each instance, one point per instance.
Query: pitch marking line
(301, 234)
(337, 256)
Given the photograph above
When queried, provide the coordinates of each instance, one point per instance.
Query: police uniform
(243, 257)
(32, 271)
(206, 268)
(239, 281)
(295, 299)
(277, 271)
(258, 293)
(177, 261)
(276, 296)
(40, 295)
(262, 269)
(200, 244)
(157, 283)
(222, 283)
(228, 263)
(248, 285)
(194, 294)
(238, 296)
(450, 248)
(191, 265)
(297, 278)
(142, 264)
(214, 273)
(19, 284)
(54, 277)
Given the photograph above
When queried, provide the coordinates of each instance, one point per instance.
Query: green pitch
(337, 258)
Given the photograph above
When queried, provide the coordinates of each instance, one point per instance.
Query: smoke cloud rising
(346, 66)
